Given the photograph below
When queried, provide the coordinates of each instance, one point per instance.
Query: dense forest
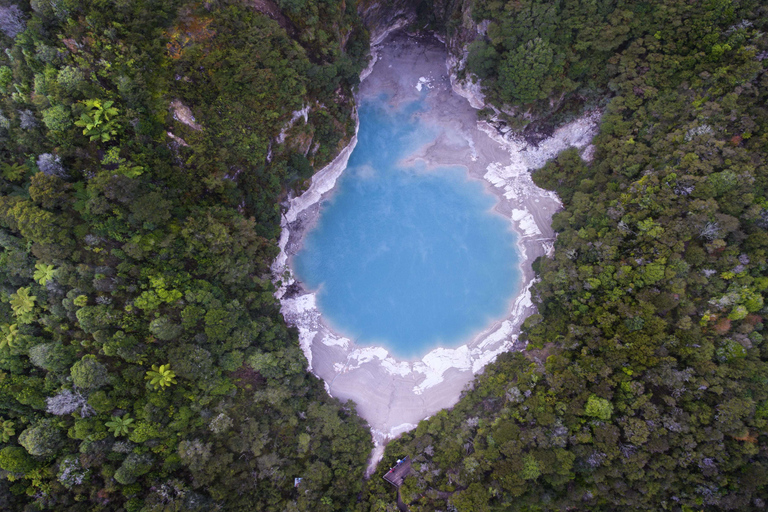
(645, 382)
(144, 363)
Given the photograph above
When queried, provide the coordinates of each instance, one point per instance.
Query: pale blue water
(403, 257)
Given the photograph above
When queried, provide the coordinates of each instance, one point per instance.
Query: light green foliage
(120, 425)
(9, 336)
(303, 440)
(57, 118)
(730, 350)
(531, 470)
(88, 373)
(7, 430)
(13, 172)
(653, 273)
(738, 313)
(70, 78)
(16, 460)
(22, 302)
(599, 408)
(98, 121)
(100, 402)
(6, 78)
(160, 377)
(124, 167)
(42, 439)
(43, 273)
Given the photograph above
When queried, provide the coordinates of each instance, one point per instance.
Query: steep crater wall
(381, 18)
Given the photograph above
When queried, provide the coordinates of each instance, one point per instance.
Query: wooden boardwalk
(397, 474)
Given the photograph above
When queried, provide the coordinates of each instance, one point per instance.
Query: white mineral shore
(393, 395)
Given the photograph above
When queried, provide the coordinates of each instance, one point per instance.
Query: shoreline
(393, 395)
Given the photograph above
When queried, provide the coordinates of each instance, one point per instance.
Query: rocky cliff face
(454, 19)
(451, 20)
(382, 17)
(452, 23)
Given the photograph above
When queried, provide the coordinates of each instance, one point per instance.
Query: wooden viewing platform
(397, 474)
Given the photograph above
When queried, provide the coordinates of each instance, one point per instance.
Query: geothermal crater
(395, 388)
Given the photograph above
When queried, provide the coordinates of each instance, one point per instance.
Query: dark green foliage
(132, 468)
(525, 73)
(644, 383)
(42, 439)
(123, 249)
(15, 459)
(88, 373)
(483, 59)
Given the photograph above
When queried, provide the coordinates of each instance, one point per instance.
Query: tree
(71, 472)
(67, 402)
(473, 498)
(164, 328)
(57, 118)
(120, 425)
(98, 121)
(160, 377)
(70, 78)
(6, 78)
(7, 430)
(16, 460)
(192, 362)
(54, 356)
(93, 318)
(51, 165)
(525, 72)
(13, 171)
(133, 467)
(599, 408)
(41, 440)
(43, 273)
(482, 59)
(22, 302)
(11, 20)
(89, 373)
(531, 469)
(10, 336)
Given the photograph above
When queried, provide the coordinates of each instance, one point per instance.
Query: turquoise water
(405, 257)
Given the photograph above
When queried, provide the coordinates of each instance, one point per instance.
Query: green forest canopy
(144, 364)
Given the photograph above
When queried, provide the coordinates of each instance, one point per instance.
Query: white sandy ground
(393, 395)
